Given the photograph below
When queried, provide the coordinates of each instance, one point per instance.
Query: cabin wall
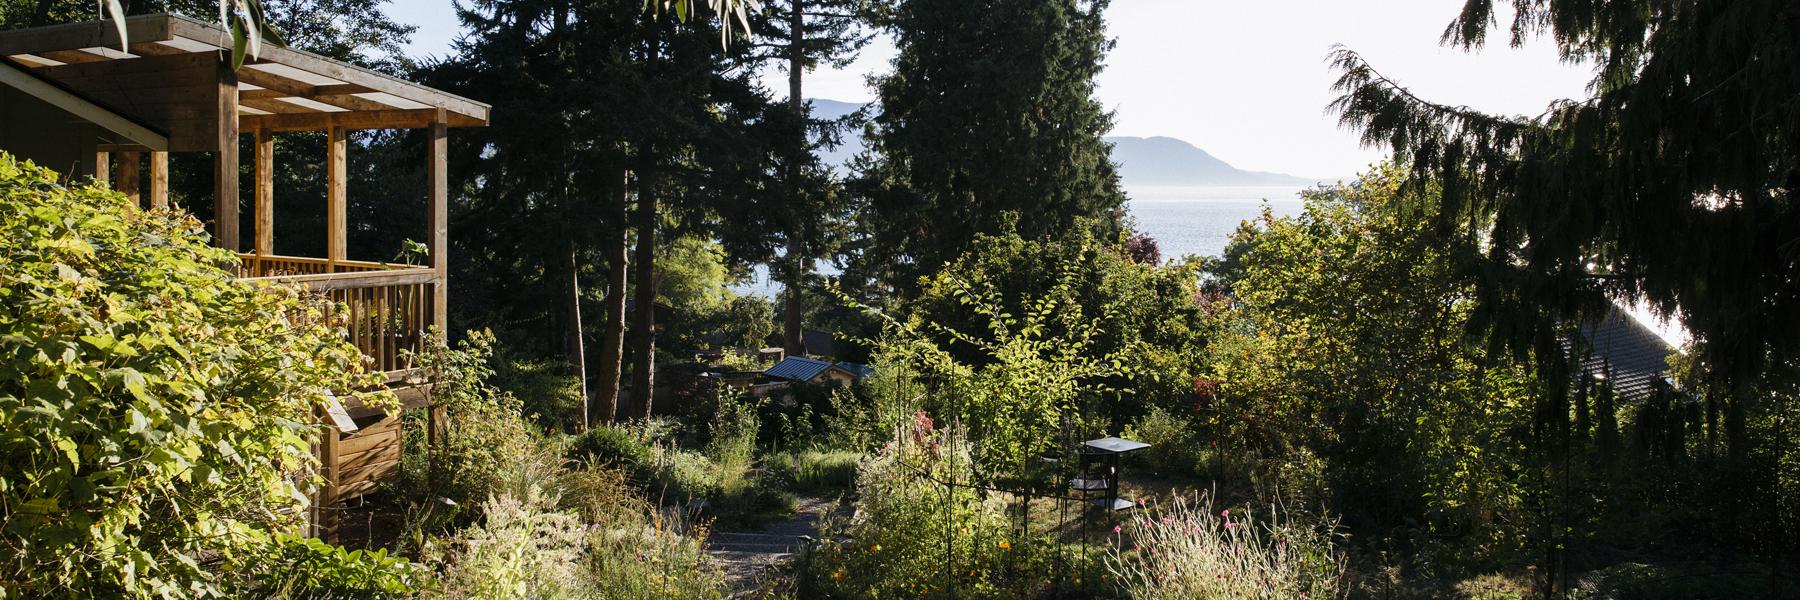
(35, 130)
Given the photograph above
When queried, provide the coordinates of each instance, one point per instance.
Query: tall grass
(1192, 550)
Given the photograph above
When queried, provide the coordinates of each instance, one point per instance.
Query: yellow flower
(1005, 545)
(875, 548)
(839, 574)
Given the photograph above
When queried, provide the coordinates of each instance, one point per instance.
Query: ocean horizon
(1184, 220)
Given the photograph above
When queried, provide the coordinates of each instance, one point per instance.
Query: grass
(815, 471)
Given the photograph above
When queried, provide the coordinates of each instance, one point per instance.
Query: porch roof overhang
(282, 89)
(54, 95)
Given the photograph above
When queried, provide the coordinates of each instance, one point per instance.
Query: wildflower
(875, 548)
(838, 574)
(1225, 513)
(1004, 545)
(1116, 530)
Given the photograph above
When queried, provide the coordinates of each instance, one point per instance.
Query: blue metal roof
(798, 368)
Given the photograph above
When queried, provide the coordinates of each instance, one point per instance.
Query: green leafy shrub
(596, 538)
(155, 412)
(306, 568)
(617, 446)
(896, 543)
(1175, 449)
(1193, 551)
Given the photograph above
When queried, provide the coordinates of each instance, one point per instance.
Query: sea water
(1184, 220)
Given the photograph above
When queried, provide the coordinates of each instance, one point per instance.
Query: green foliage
(302, 568)
(523, 549)
(1190, 551)
(614, 447)
(1175, 445)
(1144, 316)
(988, 125)
(908, 526)
(156, 411)
(1347, 344)
(1035, 368)
(816, 471)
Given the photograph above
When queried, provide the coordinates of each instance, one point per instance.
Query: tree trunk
(793, 341)
(612, 334)
(643, 335)
(577, 346)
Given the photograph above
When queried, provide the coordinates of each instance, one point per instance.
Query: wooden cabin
(70, 99)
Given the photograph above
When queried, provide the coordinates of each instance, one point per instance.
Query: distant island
(1166, 161)
(1143, 161)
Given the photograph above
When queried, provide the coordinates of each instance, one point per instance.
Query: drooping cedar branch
(1679, 170)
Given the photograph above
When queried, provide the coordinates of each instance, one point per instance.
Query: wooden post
(225, 163)
(437, 194)
(127, 181)
(326, 523)
(335, 221)
(265, 194)
(103, 166)
(159, 180)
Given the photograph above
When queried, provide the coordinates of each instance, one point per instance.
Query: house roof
(798, 368)
(1622, 351)
(51, 93)
(280, 89)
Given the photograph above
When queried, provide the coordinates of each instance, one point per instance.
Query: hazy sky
(1244, 79)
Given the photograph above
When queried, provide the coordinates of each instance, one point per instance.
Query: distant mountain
(1169, 161)
(1152, 161)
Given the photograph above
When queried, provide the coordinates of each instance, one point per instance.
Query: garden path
(748, 557)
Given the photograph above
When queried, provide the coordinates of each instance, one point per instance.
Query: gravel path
(749, 556)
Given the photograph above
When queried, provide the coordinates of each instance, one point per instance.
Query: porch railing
(387, 307)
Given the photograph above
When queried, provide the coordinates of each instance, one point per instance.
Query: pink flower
(1225, 513)
(1116, 530)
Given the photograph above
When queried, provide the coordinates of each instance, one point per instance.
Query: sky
(1246, 81)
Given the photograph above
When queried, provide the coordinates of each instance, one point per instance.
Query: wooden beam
(378, 119)
(73, 57)
(103, 166)
(317, 90)
(159, 179)
(437, 193)
(170, 93)
(89, 34)
(127, 181)
(335, 174)
(337, 95)
(274, 106)
(225, 163)
(306, 61)
(265, 193)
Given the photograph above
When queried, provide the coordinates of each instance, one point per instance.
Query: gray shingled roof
(1633, 359)
(798, 368)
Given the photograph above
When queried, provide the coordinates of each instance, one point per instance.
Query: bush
(1174, 447)
(615, 446)
(156, 411)
(522, 549)
(605, 542)
(896, 543)
(1192, 551)
(301, 568)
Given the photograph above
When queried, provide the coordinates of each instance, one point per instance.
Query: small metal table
(1107, 451)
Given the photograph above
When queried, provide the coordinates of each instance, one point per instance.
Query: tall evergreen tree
(987, 123)
(1673, 182)
(801, 35)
